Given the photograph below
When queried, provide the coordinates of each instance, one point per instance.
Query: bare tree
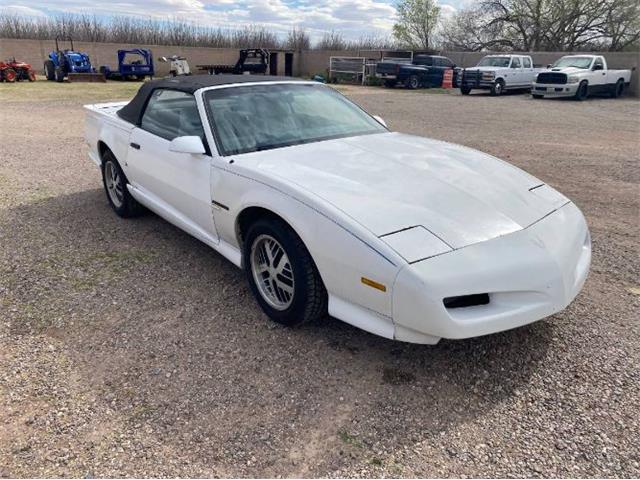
(298, 39)
(552, 25)
(417, 22)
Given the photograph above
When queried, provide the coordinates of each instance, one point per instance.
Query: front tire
(583, 91)
(498, 88)
(282, 274)
(537, 97)
(465, 90)
(115, 186)
(412, 82)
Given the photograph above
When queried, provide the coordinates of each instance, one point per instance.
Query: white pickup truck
(498, 73)
(580, 76)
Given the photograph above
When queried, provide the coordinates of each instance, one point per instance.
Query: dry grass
(42, 90)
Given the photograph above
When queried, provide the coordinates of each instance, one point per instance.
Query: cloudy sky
(353, 18)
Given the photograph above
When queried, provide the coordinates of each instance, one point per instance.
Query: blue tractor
(134, 64)
(68, 63)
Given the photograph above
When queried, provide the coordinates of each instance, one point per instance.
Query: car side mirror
(380, 120)
(187, 144)
(549, 65)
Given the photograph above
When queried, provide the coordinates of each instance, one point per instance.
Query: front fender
(342, 255)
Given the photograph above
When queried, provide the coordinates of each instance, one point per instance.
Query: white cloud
(353, 18)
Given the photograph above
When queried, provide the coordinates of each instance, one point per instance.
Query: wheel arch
(252, 213)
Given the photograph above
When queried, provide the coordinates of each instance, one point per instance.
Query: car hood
(488, 69)
(389, 182)
(568, 70)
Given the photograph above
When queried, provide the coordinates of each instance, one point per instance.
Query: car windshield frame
(508, 59)
(218, 91)
(556, 64)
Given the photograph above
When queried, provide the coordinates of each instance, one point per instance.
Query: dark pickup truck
(423, 71)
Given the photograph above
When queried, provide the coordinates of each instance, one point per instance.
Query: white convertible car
(328, 211)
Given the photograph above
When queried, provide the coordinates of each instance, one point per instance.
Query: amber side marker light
(370, 283)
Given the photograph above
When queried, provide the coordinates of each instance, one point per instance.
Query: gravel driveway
(128, 348)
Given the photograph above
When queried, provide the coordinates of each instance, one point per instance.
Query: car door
(527, 71)
(177, 182)
(598, 80)
(515, 73)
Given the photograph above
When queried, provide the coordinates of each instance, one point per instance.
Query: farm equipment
(251, 60)
(12, 71)
(76, 66)
(134, 64)
(177, 65)
(7, 74)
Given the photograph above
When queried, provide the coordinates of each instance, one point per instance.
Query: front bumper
(528, 275)
(554, 90)
(476, 84)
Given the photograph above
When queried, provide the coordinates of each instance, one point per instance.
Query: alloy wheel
(272, 272)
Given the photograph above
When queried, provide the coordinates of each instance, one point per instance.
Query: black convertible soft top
(132, 111)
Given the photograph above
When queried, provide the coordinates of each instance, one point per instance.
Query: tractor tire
(49, 70)
(10, 75)
(59, 75)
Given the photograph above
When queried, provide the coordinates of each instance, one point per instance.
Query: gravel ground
(128, 348)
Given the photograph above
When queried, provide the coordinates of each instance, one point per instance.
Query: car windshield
(261, 117)
(494, 62)
(577, 62)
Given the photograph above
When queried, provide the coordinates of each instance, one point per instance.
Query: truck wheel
(618, 89)
(465, 90)
(115, 186)
(583, 91)
(49, 70)
(59, 74)
(282, 274)
(389, 83)
(412, 82)
(498, 88)
(537, 97)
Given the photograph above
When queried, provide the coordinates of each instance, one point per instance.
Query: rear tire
(49, 70)
(583, 91)
(618, 89)
(115, 186)
(465, 90)
(412, 82)
(59, 75)
(281, 273)
(389, 83)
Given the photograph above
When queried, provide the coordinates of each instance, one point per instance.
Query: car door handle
(134, 145)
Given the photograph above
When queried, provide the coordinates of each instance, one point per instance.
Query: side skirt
(176, 218)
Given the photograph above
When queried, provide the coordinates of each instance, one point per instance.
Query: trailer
(250, 60)
(133, 64)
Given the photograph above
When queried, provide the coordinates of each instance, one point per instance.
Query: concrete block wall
(306, 63)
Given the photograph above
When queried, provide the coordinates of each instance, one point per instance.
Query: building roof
(132, 112)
